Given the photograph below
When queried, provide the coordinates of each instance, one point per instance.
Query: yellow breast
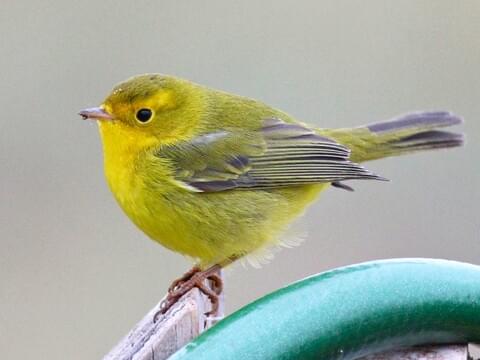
(128, 170)
(121, 149)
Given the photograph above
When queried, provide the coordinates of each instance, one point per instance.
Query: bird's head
(149, 108)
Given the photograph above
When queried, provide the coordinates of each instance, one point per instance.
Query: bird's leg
(188, 275)
(194, 278)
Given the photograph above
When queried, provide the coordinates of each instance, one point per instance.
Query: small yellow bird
(216, 176)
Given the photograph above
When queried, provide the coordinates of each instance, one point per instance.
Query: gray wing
(277, 155)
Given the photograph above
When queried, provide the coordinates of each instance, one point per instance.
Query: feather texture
(277, 155)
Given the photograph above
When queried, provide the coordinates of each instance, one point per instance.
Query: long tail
(416, 131)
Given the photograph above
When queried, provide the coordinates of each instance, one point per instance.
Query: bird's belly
(212, 227)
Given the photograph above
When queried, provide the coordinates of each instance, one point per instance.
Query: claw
(217, 283)
(212, 296)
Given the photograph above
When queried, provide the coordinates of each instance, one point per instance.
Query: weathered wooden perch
(157, 341)
(450, 352)
(186, 320)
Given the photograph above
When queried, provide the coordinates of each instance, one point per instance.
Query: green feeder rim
(350, 312)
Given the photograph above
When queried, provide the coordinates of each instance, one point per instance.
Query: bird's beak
(95, 113)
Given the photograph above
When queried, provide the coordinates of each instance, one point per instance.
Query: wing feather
(279, 154)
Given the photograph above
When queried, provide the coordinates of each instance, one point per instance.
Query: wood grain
(157, 341)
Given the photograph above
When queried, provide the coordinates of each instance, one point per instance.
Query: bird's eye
(144, 115)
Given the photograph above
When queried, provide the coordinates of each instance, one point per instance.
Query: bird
(217, 177)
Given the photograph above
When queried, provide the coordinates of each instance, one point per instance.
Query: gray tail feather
(431, 139)
(417, 120)
(418, 131)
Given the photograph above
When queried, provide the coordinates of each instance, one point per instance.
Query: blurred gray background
(76, 275)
